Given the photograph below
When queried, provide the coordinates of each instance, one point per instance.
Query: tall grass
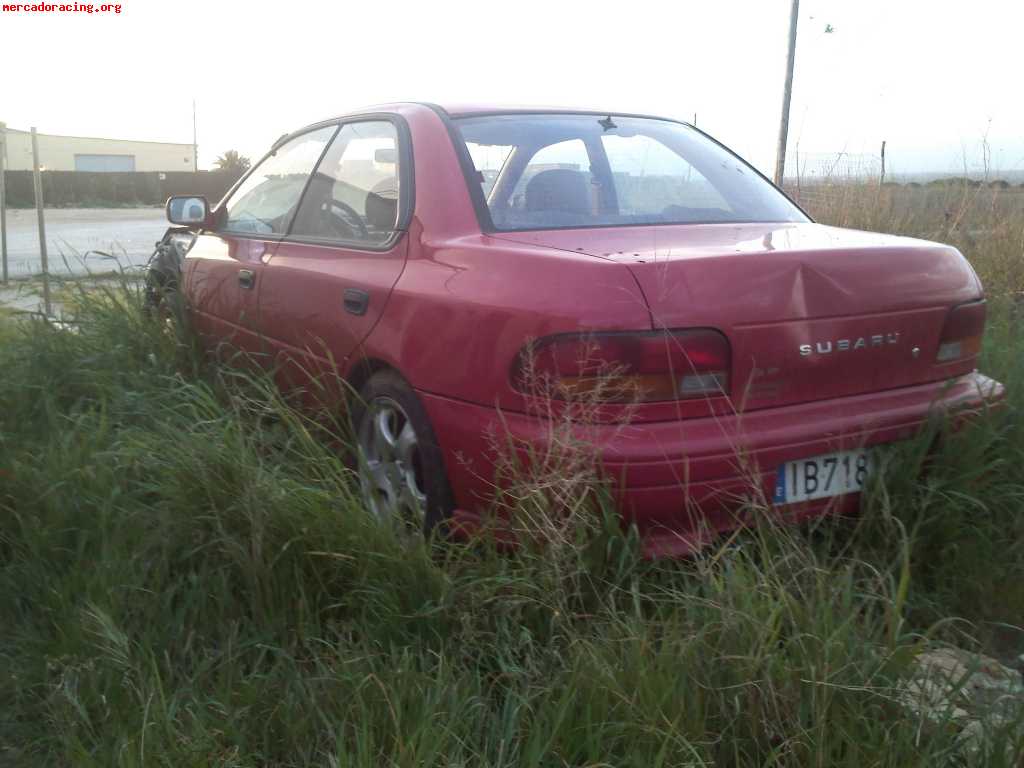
(985, 222)
(188, 578)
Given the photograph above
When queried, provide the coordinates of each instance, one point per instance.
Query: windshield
(571, 170)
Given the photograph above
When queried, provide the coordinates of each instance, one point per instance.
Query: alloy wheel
(390, 465)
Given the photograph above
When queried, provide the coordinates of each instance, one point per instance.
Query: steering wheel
(347, 222)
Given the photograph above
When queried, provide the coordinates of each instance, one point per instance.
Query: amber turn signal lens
(962, 333)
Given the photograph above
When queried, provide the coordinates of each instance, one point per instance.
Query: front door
(221, 275)
(224, 268)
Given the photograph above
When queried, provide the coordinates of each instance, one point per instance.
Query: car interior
(351, 196)
(333, 209)
(530, 194)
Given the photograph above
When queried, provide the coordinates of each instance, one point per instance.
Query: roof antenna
(608, 124)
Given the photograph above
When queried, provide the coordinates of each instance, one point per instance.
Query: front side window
(353, 195)
(575, 170)
(265, 202)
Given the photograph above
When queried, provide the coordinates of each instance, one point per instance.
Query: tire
(387, 408)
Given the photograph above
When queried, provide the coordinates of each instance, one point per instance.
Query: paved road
(128, 233)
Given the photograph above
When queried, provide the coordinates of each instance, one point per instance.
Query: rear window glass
(488, 159)
(570, 170)
(647, 174)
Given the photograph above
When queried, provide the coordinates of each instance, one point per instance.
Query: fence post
(3, 198)
(37, 183)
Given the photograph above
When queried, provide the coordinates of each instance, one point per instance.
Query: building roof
(100, 138)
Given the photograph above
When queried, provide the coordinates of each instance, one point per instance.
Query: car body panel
(681, 482)
(463, 310)
(222, 308)
(861, 301)
(302, 303)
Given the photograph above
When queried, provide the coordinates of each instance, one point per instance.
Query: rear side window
(265, 202)
(353, 195)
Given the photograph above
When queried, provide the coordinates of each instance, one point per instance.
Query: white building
(79, 153)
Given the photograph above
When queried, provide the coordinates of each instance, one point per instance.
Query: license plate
(821, 477)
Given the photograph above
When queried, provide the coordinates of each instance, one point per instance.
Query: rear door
(329, 280)
(223, 272)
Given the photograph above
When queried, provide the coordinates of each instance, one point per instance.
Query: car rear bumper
(682, 482)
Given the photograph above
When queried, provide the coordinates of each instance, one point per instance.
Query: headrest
(558, 189)
(382, 206)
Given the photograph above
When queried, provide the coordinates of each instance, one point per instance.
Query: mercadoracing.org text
(61, 8)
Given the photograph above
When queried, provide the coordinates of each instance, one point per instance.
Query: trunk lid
(812, 312)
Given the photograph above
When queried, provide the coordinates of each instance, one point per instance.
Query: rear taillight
(961, 335)
(626, 367)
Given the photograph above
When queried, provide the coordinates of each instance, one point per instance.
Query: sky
(937, 80)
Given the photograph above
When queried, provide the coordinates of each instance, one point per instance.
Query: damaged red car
(473, 271)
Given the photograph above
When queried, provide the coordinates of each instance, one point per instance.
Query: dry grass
(191, 580)
(985, 223)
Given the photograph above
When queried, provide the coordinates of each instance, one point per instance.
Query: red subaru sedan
(470, 271)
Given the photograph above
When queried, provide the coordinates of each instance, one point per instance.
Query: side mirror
(187, 210)
(385, 155)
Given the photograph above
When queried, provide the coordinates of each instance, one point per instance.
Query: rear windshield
(571, 170)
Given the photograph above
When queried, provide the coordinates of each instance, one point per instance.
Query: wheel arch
(363, 369)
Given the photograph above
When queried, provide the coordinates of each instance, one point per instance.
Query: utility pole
(881, 179)
(3, 198)
(195, 146)
(787, 94)
(37, 182)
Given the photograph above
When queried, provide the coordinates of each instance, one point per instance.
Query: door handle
(357, 301)
(246, 279)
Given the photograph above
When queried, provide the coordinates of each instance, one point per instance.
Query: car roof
(467, 109)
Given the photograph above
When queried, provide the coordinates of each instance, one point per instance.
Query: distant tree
(999, 184)
(955, 181)
(232, 161)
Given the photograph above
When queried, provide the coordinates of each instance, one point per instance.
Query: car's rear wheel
(401, 469)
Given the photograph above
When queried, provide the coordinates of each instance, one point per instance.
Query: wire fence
(816, 167)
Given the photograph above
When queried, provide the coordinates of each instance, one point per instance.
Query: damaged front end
(163, 270)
